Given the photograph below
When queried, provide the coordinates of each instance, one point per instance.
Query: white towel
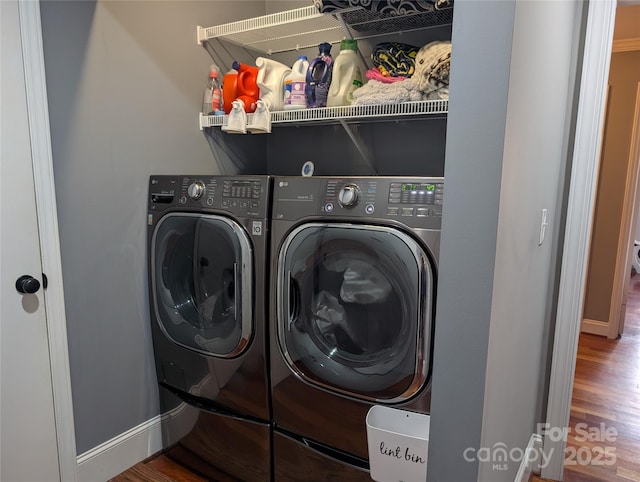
(375, 92)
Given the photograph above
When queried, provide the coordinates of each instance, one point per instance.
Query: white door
(28, 443)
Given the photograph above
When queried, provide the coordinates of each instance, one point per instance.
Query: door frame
(38, 115)
(581, 203)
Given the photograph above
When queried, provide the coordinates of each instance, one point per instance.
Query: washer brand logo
(256, 228)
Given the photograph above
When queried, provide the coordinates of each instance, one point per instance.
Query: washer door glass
(202, 283)
(354, 310)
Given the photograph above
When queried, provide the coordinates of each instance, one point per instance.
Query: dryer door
(354, 309)
(201, 277)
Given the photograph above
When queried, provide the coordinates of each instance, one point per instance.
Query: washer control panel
(347, 194)
(412, 201)
(411, 197)
(246, 196)
(422, 198)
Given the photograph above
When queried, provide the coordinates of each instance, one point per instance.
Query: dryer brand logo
(256, 228)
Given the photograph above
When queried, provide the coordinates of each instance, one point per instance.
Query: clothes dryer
(207, 245)
(354, 276)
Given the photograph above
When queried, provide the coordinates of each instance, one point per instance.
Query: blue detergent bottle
(319, 77)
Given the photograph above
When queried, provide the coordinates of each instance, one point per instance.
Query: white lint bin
(398, 441)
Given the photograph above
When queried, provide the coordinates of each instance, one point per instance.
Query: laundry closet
(124, 83)
(326, 307)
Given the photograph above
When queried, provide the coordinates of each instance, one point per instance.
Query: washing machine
(207, 245)
(354, 276)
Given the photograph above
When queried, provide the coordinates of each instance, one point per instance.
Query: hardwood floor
(606, 391)
(157, 469)
(605, 407)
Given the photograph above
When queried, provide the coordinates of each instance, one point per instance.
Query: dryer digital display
(416, 193)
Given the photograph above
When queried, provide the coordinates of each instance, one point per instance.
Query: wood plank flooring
(606, 404)
(157, 469)
(606, 391)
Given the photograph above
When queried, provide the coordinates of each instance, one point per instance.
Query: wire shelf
(306, 27)
(278, 32)
(360, 112)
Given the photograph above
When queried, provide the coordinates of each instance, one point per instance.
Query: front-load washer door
(202, 283)
(354, 306)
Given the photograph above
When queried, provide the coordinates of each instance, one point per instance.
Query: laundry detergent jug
(241, 83)
(319, 77)
(271, 75)
(346, 75)
(247, 79)
(294, 85)
(229, 90)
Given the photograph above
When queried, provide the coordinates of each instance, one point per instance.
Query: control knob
(348, 195)
(196, 190)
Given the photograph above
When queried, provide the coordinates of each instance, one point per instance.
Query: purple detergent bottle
(319, 77)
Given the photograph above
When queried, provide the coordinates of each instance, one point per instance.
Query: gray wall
(125, 81)
(538, 119)
(510, 112)
(481, 53)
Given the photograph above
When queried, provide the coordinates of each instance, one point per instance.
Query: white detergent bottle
(347, 75)
(294, 85)
(271, 75)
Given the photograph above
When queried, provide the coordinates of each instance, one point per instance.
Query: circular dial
(348, 195)
(196, 190)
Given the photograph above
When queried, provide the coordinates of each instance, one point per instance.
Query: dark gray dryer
(354, 269)
(207, 244)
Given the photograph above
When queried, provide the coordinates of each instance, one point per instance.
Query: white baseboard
(594, 327)
(626, 44)
(118, 454)
(529, 465)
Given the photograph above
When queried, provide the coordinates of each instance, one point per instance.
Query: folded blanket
(433, 63)
(394, 59)
(375, 74)
(390, 7)
(375, 92)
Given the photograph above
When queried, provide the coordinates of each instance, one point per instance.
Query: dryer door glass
(202, 283)
(354, 308)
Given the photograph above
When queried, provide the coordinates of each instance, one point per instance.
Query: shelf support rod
(346, 28)
(364, 152)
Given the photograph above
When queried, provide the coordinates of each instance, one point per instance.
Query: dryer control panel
(242, 196)
(416, 202)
